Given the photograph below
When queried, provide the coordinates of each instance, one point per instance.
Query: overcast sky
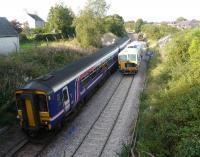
(150, 10)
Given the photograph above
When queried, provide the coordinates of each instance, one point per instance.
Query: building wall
(9, 45)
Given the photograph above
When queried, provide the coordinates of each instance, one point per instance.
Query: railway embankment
(169, 110)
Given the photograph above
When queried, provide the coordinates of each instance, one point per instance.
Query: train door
(29, 112)
(66, 101)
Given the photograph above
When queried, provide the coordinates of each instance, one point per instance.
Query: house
(35, 21)
(9, 38)
(187, 24)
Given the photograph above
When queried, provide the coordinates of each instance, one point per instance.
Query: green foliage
(170, 113)
(23, 38)
(88, 30)
(180, 19)
(89, 25)
(48, 37)
(130, 26)
(19, 68)
(38, 30)
(138, 25)
(60, 19)
(125, 151)
(115, 24)
(155, 32)
(98, 7)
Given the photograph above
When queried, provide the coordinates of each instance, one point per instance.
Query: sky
(148, 10)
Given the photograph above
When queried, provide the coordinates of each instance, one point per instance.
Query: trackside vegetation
(170, 105)
(19, 68)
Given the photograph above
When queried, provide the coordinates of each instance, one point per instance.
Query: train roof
(129, 51)
(54, 79)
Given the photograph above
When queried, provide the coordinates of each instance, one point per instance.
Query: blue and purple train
(45, 101)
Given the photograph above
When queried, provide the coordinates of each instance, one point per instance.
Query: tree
(88, 32)
(138, 25)
(115, 24)
(17, 25)
(60, 19)
(130, 26)
(180, 19)
(98, 7)
(89, 25)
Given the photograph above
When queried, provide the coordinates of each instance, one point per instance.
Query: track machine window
(132, 57)
(123, 58)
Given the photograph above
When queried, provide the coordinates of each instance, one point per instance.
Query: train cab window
(123, 57)
(41, 102)
(65, 94)
(132, 57)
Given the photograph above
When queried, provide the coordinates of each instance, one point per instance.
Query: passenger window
(65, 94)
(42, 102)
(85, 80)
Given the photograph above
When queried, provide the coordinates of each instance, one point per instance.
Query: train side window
(42, 102)
(85, 80)
(65, 94)
(58, 98)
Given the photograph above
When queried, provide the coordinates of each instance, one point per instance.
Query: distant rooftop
(6, 29)
(35, 17)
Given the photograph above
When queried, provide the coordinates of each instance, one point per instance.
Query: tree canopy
(180, 19)
(115, 24)
(17, 25)
(60, 19)
(138, 25)
(89, 24)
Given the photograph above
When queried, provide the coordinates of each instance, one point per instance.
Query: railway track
(29, 147)
(96, 138)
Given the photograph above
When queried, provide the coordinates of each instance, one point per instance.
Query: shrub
(171, 113)
(48, 37)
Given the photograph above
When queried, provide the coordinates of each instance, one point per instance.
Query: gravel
(121, 134)
(97, 137)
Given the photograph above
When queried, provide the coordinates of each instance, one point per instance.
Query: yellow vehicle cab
(129, 59)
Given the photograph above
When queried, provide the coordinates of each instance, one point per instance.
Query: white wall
(9, 45)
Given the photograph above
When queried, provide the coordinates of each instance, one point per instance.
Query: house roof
(6, 29)
(192, 23)
(35, 17)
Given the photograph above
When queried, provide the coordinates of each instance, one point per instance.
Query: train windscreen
(122, 58)
(132, 57)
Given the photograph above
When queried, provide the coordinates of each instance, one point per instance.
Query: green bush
(48, 37)
(155, 32)
(170, 116)
(23, 38)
